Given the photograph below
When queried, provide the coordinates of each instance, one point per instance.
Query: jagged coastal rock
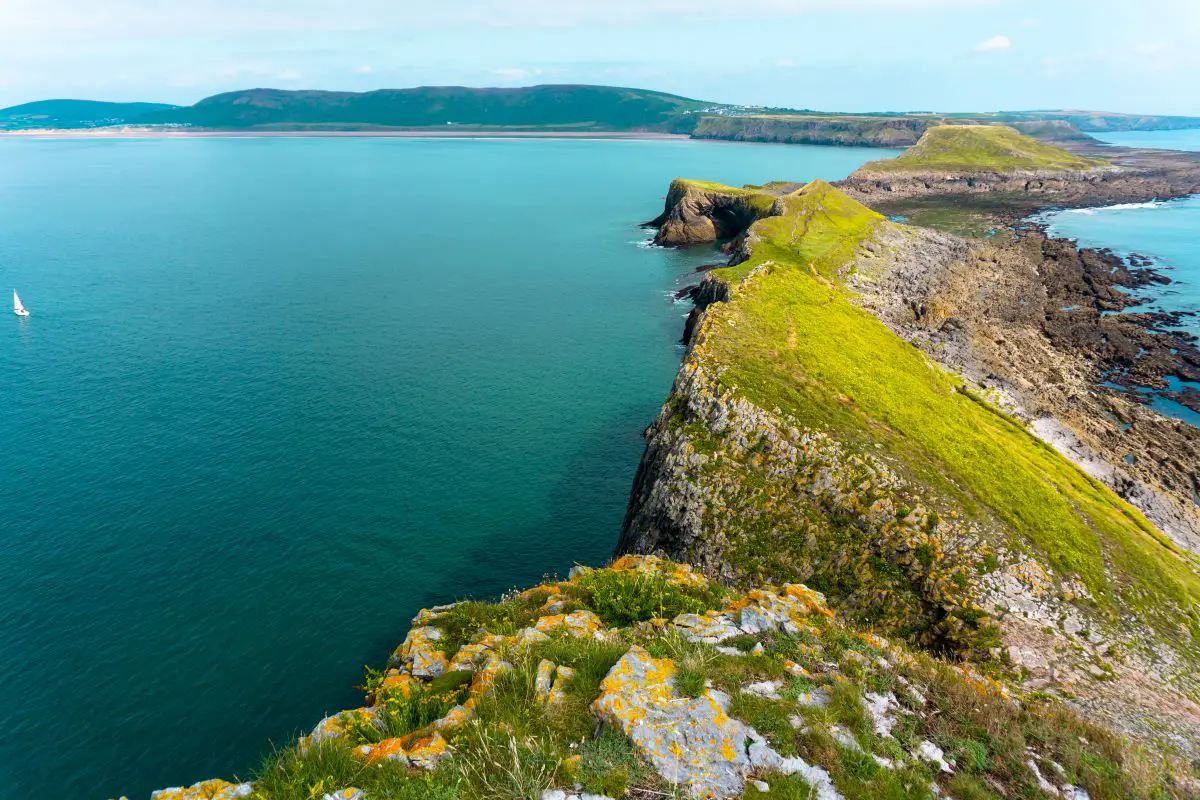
(645, 679)
(698, 212)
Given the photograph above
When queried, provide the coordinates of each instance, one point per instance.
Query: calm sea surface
(1167, 232)
(1161, 140)
(277, 394)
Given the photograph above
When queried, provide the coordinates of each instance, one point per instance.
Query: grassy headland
(792, 339)
(982, 148)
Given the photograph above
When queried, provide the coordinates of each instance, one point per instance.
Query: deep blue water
(277, 394)
(1166, 232)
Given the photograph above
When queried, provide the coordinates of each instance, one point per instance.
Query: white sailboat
(18, 309)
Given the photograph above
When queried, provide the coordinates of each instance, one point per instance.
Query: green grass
(465, 620)
(516, 747)
(621, 598)
(980, 148)
(292, 775)
(792, 339)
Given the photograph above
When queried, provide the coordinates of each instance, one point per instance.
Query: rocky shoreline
(1089, 310)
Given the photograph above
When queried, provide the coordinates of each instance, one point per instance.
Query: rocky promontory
(966, 160)
(700, 211)
(860, 410)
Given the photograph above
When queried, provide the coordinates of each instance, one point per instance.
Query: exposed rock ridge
(992, 311)
(1095, 188)
(722, 479)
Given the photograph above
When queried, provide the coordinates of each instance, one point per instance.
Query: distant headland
(560, 110)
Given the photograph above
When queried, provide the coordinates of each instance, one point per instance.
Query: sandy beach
(397, 133)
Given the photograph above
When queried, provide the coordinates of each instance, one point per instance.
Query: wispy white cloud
(994, 45)
(514, 74)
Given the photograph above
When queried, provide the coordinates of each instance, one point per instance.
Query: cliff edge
(646, 680)
(807, 440)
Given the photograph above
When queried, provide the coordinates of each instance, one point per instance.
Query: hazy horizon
(857, 55)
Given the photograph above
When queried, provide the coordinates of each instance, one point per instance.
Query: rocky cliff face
(1101, 187)
(851, 131)
(789, 470)
(696, 212)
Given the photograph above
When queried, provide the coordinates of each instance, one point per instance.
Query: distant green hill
(1103, 121)
(74, 114)
(583, 107)
(971, 148)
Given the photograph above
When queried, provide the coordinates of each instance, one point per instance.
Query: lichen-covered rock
(419, 653)
(562, 679)
(559, 794)
(398, 683)
(691, 742)
(543, 680)
(427, 616)
(578, 623)
(931, 753)
(206, 790)
(337, 726)
(484, 679)
(345, 794)
(882, 709)
(388, 750)
(710, 628)
(471, 656)
(681, 575)
(457, 716)
(428, 751)
(527, 637)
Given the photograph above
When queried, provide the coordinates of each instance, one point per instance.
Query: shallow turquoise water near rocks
(1187, 139)
(1166, 232)
(277, 394)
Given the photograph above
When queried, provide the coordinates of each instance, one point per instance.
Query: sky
(833, 55)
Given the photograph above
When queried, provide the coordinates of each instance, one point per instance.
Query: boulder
(205, 790)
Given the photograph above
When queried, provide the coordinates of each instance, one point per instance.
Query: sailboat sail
(18, 309)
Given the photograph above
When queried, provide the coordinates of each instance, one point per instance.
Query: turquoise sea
(1187, 139)
(1164, 231)
(275, 395)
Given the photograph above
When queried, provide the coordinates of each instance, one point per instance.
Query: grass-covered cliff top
(982, 148)
(792, 339)
(644, 680)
